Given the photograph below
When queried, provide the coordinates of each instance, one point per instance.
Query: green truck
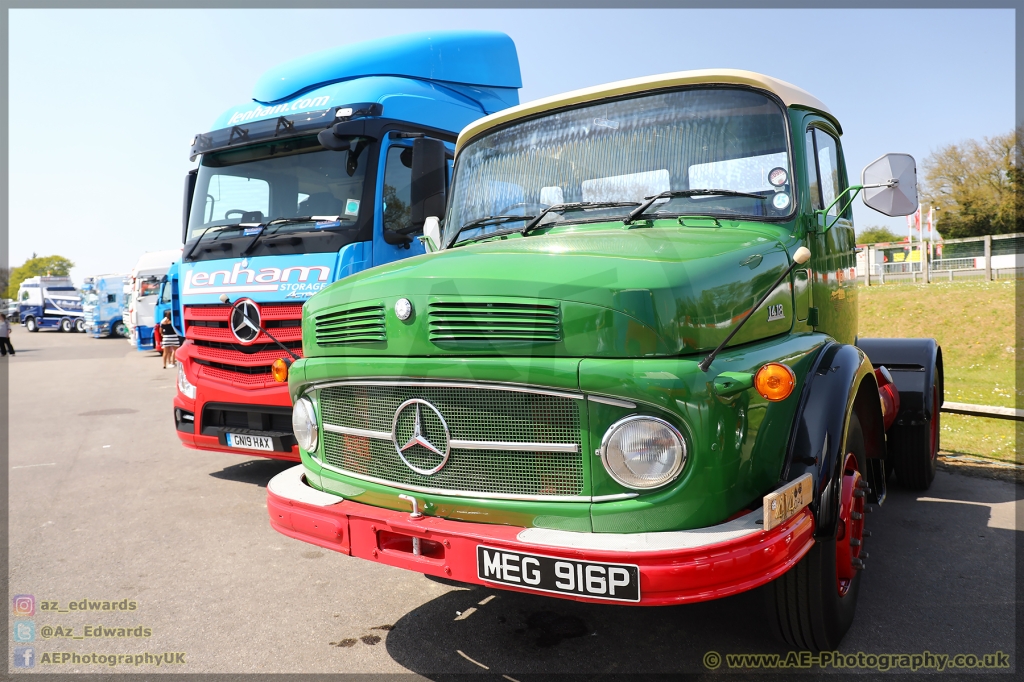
(627, 370)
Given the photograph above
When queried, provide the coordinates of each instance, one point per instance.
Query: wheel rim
(935, 422)
(850, 535)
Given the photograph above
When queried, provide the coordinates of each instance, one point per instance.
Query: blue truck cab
(333, 168)
(103, 305)
(168, 299)
(50, 303)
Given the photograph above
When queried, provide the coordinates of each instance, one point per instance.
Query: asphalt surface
(105, 504)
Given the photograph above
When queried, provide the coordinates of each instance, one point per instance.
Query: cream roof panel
(790, 95)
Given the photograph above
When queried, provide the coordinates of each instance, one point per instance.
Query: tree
(876, 234)
(977, 186)
(37, 265)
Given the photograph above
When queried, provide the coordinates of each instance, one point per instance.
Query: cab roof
(790, 95)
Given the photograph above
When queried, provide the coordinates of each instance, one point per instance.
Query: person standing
(169, 339)
(5, 336)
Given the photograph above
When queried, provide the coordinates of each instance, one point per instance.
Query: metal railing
(990, 257)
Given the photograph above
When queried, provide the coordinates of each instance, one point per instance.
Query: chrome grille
(473, 414)
(494, 321)
(351, 325)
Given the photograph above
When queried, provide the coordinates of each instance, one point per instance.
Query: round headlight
(304, 424)
(643, 452)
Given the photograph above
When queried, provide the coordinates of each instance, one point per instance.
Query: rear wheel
(811, 606)
(79, 325)
(65, 325)
(31, 324)
(914, 448)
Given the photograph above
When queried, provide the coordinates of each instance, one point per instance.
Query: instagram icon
(24, 605)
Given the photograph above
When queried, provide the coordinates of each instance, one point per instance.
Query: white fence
(991, 257)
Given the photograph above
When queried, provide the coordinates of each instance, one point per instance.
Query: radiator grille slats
(360, 324)
(494, 321)
(472, 414)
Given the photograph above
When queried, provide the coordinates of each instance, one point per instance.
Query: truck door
(832, 290)
(394, 202)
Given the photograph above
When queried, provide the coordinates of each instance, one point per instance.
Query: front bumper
(675, 567)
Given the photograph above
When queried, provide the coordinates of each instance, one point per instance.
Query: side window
(111, 298)
(812, 173)
(397, 194)
(24, 295)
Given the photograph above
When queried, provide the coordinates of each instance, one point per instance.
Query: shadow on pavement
(255, 471)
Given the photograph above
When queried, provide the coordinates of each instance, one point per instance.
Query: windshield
(623, 151)
(281, 180)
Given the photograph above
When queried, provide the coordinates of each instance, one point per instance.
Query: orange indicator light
(280, 370)
(774, 381)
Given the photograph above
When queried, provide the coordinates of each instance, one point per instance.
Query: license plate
(244, 440)
(785, 502)
(613, 582)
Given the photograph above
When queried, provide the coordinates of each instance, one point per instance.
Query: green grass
(974, 322)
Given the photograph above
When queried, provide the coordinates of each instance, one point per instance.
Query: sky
(104, 103)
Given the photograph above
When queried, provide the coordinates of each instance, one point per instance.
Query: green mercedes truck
(627, 369)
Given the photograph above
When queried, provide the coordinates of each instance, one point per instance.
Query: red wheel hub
(850, 534)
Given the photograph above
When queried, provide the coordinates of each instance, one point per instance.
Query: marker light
(774, 381)
(777, 177)
(280, 370)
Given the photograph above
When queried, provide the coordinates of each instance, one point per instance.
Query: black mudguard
(913, 364)
(840, 381)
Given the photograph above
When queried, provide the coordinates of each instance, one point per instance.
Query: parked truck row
(602, 346)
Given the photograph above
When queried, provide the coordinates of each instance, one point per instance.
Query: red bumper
(701, 567)
(210, 390)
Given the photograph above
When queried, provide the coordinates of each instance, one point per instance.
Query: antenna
(802, 255)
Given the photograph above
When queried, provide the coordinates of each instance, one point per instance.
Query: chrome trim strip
(613, 498)
(456, 444)
(364, 433)
(460, 493)
(614, 402)
(518, 388)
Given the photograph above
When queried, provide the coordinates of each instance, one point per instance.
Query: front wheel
(65, 325)
(812, 605)
(80, 325)
(121, 329)
(31, 324)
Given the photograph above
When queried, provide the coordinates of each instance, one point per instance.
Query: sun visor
(481, 58)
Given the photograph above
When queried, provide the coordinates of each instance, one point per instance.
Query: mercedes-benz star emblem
(245, 321)
(420, 438)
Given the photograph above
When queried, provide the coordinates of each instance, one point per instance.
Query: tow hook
(414, 516)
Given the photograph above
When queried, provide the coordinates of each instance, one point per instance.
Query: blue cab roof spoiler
(481, 58)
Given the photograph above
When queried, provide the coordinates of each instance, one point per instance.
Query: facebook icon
(24, 657)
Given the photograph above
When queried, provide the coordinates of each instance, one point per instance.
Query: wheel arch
(839, 383)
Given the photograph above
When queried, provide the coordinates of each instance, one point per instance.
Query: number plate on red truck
(613, 582)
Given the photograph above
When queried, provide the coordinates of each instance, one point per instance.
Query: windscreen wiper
(280, 222)
(573, 206)
(487, 220)
(211, 227)
(649, 201)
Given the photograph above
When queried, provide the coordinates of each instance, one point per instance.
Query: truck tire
(120, 329)
(80, 325)
(65, 325)
(31, 324)
(812, 605)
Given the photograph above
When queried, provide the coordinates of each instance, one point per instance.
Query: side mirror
(186, 206)
(431, 234)
(429, 180)
(890, 184)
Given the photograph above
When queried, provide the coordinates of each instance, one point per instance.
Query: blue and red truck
(332, 168)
